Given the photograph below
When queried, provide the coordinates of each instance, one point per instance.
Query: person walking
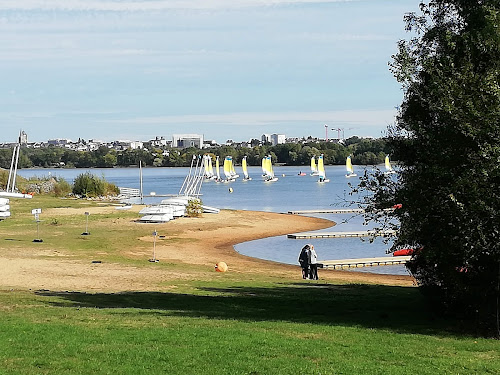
(304, 259)
(313, 264)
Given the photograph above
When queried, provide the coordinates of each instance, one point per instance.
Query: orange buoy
(221, 267)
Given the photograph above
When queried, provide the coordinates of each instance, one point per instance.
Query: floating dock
(364, 262)
(329, 211)
(369, 233)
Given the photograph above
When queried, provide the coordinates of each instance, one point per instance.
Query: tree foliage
(364, 151)
(446, 139)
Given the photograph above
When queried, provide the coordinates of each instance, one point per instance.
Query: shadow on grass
(398, 309)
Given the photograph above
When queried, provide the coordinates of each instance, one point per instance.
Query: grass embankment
(203, 322)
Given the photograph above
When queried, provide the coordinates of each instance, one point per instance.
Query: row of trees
(364, 151)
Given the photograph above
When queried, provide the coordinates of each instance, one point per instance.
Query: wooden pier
(329, 211)
(369, 233)
(364, 262)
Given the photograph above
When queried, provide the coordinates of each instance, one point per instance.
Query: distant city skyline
(227, 69)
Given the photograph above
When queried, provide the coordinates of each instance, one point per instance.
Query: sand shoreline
(188, 251)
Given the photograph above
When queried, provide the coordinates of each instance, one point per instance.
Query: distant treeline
(363, 152)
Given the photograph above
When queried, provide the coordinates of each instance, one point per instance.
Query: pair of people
(308, 260)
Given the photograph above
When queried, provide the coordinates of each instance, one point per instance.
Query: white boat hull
(4, 208)
(4, 215)
(4, 201)
(156, 218)
(15, 195)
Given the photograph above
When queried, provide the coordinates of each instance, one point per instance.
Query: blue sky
(228, 69)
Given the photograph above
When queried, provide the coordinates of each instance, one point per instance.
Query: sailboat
(321, 171)
(217, 170)
(314, 169)
(245, 169)
(209, 170)
(229, 169)
(388, 167)
(234, 175)
(349, 168)
(267, 166)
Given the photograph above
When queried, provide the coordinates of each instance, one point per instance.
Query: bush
(194, 209)
(88, 185)
(62, 188)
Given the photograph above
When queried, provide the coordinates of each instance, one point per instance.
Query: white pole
(140, 180)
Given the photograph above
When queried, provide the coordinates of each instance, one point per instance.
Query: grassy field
(219, 323)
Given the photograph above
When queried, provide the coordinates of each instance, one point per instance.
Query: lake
(290, 193)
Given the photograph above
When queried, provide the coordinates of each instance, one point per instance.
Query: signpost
(154, 260)
(36, 212)
(86, 233)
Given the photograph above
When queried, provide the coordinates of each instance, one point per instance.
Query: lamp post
(154, 260)
(86, 233)
(36, 212)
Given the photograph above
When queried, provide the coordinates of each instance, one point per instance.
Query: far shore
(190, 246)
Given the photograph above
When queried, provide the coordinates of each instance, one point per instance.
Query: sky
(227, 69)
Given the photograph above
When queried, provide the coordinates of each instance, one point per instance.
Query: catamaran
(314, 169)
(267, 167)
(229, 171)
(388, 167)
(349, 168)
(245, 169)
(321, 171)
(209, 170)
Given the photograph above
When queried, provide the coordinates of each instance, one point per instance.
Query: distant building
(266, 138)
(187, 140)
(23, 138)
(159, 142)
(58, 142)
(277, 139)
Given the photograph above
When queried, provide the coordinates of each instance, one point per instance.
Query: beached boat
(314, 168)
(388, 167)
(321, 171)
(349, 168)
(245, 169)
(267, 167)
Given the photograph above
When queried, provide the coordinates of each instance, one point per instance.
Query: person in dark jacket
(305, 260)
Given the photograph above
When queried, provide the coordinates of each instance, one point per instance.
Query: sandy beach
(188, 249)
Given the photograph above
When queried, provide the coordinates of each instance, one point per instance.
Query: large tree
(446, 139)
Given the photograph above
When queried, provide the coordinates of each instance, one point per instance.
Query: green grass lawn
(236, 328)
(221, 323)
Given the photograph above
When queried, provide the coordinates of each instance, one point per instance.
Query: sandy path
(194, 243)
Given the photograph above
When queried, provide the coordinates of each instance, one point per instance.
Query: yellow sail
(227, 166)
(387, 164)
(348, 165)
(313, 165)
(321, 168)
(244, 167)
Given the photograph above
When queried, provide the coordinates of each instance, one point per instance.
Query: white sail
(245, 168)
(217, 168)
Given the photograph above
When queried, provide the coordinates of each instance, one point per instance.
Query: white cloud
(148, 5)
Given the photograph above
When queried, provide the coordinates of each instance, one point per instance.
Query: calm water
(291, 192)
